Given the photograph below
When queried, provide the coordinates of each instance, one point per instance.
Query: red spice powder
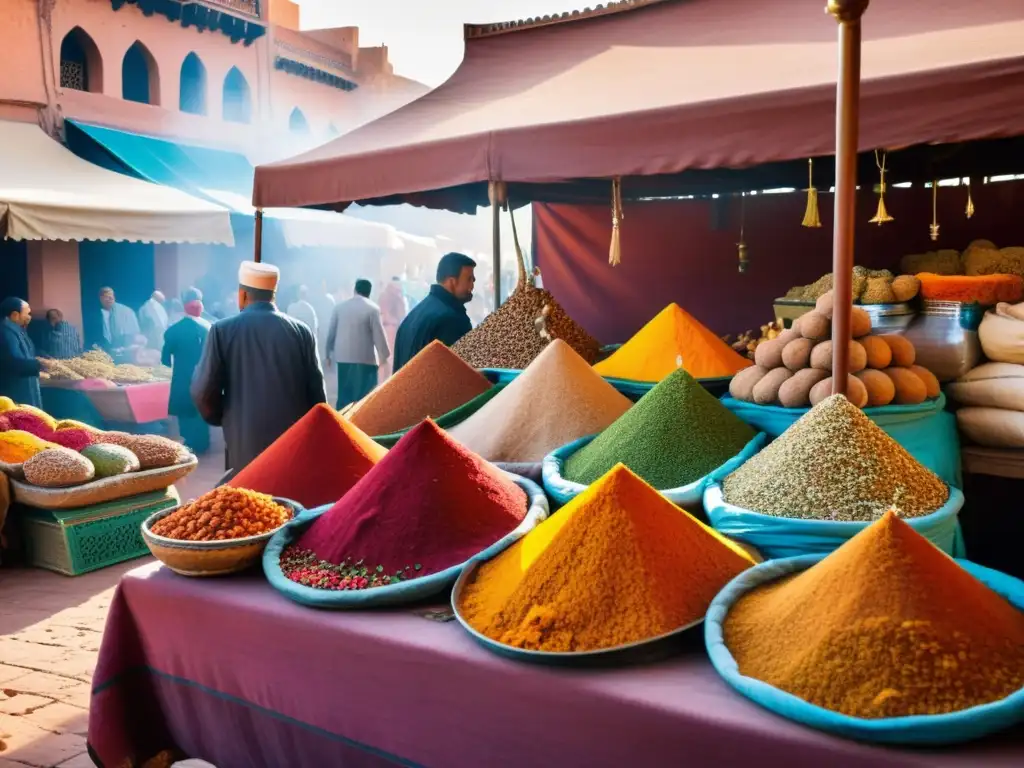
(315, 462)
(75, 439)
(29, 422)
(429, 502)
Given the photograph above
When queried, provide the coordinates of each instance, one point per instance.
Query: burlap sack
(992, 385)
(992, 427)
(1002, 333)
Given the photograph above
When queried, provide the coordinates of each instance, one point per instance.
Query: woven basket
(100, 491)
(208, 558)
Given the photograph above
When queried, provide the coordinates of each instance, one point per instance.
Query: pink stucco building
(225, 74)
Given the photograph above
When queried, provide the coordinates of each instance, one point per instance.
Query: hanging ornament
(615, 251)
(742, 245)
(811, 216)
(970, 202)
(934, 228)
(881, 215)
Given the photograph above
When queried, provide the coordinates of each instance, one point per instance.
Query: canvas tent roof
(669, 86)
(47, 193)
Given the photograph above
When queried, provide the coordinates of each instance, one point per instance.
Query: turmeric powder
(673, 339)
(885, 626)
(619, 564)
(17, 446)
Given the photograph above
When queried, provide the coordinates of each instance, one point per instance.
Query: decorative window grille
(72, 75)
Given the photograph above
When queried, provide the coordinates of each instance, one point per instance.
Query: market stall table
(229, 671)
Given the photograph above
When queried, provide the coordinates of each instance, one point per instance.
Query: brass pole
(497, 193)
(258, 238)
(848, 13)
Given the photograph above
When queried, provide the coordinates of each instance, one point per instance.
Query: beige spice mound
(557, 399)
(834, 463)
(430, 385)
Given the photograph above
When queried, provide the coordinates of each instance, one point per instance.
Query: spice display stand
(274, 704)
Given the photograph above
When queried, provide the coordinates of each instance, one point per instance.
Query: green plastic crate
(76, 541)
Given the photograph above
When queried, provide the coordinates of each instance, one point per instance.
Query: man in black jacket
(442, 314)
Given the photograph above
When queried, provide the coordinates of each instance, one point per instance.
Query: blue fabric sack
(950, 728)
(926, 431)
(394, 594)
(776, 537)
(562, 491)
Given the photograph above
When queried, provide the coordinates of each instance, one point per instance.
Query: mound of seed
(58, 468)
(676, 434)
(835, 463)
(519, 330)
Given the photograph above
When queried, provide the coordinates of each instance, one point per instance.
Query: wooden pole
(848, 13)
(497, 193)
(258, 237)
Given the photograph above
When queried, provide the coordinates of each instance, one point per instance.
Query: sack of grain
(992, 385)
(992, 427)
(1002, 335)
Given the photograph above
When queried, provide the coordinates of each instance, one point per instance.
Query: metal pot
(945, 335)
(889, 318)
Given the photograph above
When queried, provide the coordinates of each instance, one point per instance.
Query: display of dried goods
(96, 364)
(223, 513)
(58, 468)
(746, 343)
(153, 451)
(870, 286)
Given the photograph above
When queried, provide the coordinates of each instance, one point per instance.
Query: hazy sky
(424, 38)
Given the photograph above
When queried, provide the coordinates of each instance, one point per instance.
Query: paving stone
(22, 703)
(79, 761)
(27, 743)
(59, 717)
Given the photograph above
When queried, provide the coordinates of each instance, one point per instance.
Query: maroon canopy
(660, 86)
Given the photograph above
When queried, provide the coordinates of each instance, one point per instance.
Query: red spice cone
(429, 503)
(315, 462)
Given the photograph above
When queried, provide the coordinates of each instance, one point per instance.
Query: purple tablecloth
(229, 671)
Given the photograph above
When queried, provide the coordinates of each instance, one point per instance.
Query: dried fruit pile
(794, 369)
(224, 513)
(979, 258)
(870, 286)
(97, 364)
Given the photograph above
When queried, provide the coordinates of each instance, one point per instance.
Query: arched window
(297, 122)
(81, 66)
(237, 105)
(140, 79)
(193, 86)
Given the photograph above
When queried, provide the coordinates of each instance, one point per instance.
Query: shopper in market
(120, 327)
(303, 311)
(153, 320)
(259, 371)
(182, 349)
(61, 340)
(442, 314)
(19, 369)
(356, 342)
(323, 304)
(393, 310)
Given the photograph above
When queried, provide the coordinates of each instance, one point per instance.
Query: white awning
(48, 193)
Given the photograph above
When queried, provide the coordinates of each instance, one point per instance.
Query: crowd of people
(257, 370)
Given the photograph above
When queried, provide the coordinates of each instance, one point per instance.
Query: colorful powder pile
(672, 338)
(433, 383)
(885, 626)
(316, 462)
(619, 564)
(834, 463)
(427, 506)
(557, 399)
(676, 434)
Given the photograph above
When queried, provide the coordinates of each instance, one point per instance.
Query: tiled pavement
(50, 631)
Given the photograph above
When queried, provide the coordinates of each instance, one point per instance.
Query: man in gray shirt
(356, 342)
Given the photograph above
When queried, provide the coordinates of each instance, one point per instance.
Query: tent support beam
(497, 194)
(848, 13)
(258, 237)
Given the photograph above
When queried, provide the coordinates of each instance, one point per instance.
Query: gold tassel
(811, 216)
(970, 201)
(615, 251)
(881, 215)
(934, 228)
(741, 246)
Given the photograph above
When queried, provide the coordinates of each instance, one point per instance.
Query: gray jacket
(355, 332)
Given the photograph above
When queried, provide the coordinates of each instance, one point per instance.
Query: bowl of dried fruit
(223, 531)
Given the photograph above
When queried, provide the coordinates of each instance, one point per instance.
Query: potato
(797, 354)
(795, 392)
(856, 393)
(821, 356)
(931, 383)
(766, 391)
(815, 325)
(788, 335)
(860, 323)
(903, 352)
(824, 304)
(742, 385)
(910, 389)
(769, 354)
(880, 388)
(879, 353)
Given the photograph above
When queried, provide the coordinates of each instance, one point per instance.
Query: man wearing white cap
(259, 372)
